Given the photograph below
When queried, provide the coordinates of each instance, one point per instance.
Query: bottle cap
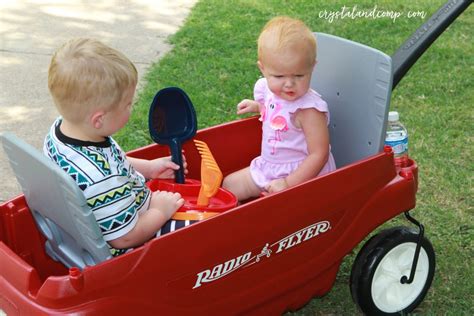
(393, 116)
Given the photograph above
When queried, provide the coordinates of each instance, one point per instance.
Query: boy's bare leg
(241, 184)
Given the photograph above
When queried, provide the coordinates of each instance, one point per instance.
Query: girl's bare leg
(241, 184)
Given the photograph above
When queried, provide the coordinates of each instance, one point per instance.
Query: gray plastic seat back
(356, 82)
(58, 206)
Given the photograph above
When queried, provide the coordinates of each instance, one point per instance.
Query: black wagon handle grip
(176, 157)
(409, 52)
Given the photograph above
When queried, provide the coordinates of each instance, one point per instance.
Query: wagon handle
(409, 52)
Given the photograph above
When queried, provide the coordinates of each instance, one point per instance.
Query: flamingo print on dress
(278, 123)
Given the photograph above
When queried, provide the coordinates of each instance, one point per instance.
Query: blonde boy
(92, 86)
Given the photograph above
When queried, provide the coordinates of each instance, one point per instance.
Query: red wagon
(265, 256)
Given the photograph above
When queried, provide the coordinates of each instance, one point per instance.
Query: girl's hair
(285, 33)
(86, 75)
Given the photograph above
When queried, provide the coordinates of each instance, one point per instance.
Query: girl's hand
(248, 106)
(277, 185)
(164, 168)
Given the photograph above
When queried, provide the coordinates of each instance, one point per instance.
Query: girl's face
(288, 73)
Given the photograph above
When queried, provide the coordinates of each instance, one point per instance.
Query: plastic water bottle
(397, 138)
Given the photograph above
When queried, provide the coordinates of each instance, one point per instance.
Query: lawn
(214, 61)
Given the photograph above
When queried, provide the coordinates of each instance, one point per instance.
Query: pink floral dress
(283, 144)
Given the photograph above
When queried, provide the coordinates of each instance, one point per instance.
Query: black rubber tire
(372, 254)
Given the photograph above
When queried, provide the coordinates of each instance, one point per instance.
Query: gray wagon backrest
(58, 206)
(356, 82)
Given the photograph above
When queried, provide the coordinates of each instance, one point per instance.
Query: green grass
(214, 58)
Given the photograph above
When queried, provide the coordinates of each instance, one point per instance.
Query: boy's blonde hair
(86, 75)
(284, 33)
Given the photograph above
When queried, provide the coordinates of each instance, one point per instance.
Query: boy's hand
(166, 202)
(248, 106)
(164, 168)
(277, 185)
(162, 206)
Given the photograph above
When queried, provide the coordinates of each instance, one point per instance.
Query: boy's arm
(148, 224)
(162, 206)
(157, 168)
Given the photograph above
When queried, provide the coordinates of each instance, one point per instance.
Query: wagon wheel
(379, 267)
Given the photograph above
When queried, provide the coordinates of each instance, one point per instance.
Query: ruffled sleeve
(312, 99)
(260, 90)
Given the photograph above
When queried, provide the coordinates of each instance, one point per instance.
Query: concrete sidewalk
(30, 31)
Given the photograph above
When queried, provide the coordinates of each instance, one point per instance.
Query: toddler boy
(92, 86)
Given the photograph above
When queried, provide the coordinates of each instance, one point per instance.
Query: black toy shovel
(172, 121)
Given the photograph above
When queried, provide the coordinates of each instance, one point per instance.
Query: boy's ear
(97, 119)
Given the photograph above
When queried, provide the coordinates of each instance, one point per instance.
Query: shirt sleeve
(114, 193)
(260, 90)
(313, 100)
(113, 203)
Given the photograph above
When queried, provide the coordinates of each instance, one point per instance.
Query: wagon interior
(354, 79)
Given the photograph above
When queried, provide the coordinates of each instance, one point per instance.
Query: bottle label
(399, 147)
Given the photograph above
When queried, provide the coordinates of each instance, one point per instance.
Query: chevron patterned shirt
(115, 192)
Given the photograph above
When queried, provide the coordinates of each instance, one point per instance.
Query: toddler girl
(295, 140)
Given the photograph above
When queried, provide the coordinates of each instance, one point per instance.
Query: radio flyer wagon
(263, 257)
